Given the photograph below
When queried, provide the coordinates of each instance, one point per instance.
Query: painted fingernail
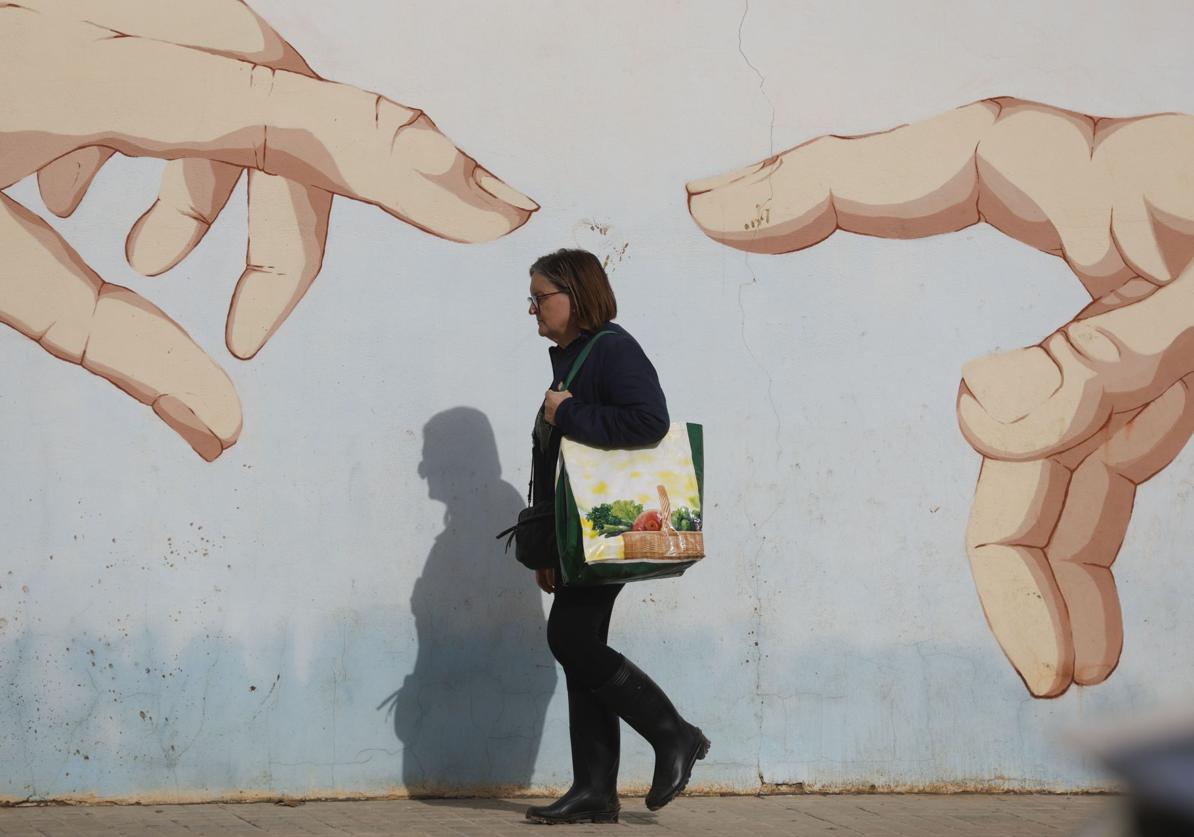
(708, 184)
(503, 191)
(1010, 385)
(185, 423)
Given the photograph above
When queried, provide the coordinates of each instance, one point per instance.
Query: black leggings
(577, 631)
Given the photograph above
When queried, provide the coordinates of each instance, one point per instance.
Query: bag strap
(580, 359)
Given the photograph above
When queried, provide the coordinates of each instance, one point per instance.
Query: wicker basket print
(666, 543)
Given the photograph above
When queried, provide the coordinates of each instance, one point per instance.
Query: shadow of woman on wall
(470, 715)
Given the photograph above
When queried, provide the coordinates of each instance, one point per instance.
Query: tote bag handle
(580, 359)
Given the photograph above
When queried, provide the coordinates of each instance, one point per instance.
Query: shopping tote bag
(631, 514)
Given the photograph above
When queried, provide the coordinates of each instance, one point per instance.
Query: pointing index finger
(912, 181)
(331, 136)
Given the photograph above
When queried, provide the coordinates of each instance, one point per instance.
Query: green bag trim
(567, 529)
(580, 359)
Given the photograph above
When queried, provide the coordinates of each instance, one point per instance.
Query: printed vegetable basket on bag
(633, 514)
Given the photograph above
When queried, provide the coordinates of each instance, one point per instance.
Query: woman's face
(552, 309)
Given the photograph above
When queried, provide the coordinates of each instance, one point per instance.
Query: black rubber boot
(595, 735)
(678, 744)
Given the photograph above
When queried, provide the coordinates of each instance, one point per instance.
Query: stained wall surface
(323, 609)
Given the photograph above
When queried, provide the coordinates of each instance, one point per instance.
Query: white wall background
(300, 617)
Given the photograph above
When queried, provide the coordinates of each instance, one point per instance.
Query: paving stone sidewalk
(918, 815)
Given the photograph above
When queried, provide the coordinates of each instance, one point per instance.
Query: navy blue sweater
(616, 400)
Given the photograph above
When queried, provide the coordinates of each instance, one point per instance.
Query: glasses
(535, 300)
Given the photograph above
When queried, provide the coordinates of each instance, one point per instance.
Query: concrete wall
(323, 610)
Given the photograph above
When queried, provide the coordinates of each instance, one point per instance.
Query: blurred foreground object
(1153, 758)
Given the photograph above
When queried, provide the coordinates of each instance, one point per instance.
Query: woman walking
(614, 401)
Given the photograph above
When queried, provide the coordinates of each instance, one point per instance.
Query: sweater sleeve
(633, 410)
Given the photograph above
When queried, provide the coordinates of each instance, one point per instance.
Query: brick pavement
(891, 815)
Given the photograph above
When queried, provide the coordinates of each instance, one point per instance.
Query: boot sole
(699, 753)
(597, 819)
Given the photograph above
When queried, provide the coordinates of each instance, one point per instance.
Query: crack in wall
(746, 257)
(754, 280)
(758, 525)
(339, 674)
(762, 79)
(757, 651)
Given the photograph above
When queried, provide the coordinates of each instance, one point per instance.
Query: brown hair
(581, 276)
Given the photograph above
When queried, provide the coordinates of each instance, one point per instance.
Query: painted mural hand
(1070, 427)
(210, 87)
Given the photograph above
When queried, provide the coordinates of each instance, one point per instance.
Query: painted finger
(1087, 586)
(913, 181)
(191, 196)
(64, 182)
(288, 225)
(331, 136)
(1016, 506)
(223, 27)
(1044, 182)
(287, 234)
(1151, 164)
(1034, 402)
(1092, 525)
(48, 294)
(193, 191)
